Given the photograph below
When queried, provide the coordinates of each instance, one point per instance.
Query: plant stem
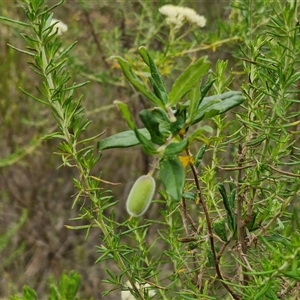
(84, 174)
(210, 233)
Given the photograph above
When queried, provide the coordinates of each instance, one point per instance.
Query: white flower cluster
(126, 295)
(176, 15)
(61, 27)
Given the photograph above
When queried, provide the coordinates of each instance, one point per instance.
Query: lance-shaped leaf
(201, 135)
(195, 98)
(179, 124)
(230, 215)
(136, 82)
(199, 155)
(147, 145)
(218, 104)
(125, 112)
(172, 176)
(163, 119)
(163, 96)
(188, 79)
(234, 99)
(157, 82)
(123, 139)
(176, 147)
(207, 87)
(152, 124)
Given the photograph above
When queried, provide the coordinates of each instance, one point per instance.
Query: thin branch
(210, 231)
(242, 246)
(284, 172)
(105, 181)
(223, 249)
(184, 216)
(235, 168)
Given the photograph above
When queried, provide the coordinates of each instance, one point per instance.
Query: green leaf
(147, 145)
(198, 133)
(152, 124)
(157, 82)
(179, 124)
(14, 21)
(225, 105)
(159, 93)
(218, 104)
(188, 79)
(172, 176)
(123, 139)
(176, 147)
(230, 216)
(163, 119)
(136, 82)
(66, 288)
(126, 114)
(36, 4)
(52, 135)
(207, 87)
(220, 229)
(199, 155)
(232, 195)
(29, 294)
(195, 98)
(69, 285)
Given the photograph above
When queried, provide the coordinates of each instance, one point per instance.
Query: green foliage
(137, 83)
(65, 289)
(172, 176)
(188, 79)
(123, 139)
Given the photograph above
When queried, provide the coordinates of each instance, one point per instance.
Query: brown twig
(185, 218)
(284, 172)
(104, 181)
(210, 231)
(235, 168)
(223, 249)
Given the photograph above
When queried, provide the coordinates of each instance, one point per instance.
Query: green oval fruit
(140, 195)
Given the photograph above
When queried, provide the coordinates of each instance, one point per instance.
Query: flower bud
(140, 195)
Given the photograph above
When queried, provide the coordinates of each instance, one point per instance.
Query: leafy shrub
(220, 230)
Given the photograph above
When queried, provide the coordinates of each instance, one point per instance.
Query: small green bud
(140, 195)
